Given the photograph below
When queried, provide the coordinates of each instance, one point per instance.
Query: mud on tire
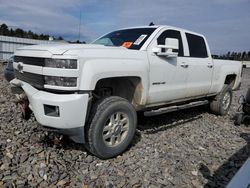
(220, 105)
(111, 127)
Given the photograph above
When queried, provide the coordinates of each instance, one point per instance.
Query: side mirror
(169, 49)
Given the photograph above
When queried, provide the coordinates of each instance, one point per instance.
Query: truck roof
(164, 26)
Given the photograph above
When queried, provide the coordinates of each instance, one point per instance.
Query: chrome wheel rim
(226, 101)
(115, 129)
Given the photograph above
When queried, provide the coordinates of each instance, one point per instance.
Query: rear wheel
(111, 127)
(221, 103)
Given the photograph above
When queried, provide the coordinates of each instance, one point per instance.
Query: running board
(175, 108)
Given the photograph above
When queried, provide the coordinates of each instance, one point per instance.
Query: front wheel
(221, 103)
(111, 127)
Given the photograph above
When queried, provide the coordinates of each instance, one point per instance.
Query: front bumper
(72, 108)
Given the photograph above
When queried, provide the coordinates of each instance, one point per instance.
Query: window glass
(171, 34)
(129, 38)
(197, 46)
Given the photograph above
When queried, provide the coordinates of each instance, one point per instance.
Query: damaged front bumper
(63, 112)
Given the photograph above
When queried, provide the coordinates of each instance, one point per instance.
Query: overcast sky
(225, 23)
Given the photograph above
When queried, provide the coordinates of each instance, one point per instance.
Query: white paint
(164, 78)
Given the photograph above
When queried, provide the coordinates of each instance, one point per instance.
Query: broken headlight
(61, 81)
(61, 63)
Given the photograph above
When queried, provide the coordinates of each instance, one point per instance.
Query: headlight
(61, 63)
(61, 81)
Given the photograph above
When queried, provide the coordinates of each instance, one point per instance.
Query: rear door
(199, 66)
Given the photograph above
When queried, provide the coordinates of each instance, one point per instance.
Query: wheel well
(129, 88)
(230, 79)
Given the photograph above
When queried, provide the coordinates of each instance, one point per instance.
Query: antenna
(151, 24)
(79, 32)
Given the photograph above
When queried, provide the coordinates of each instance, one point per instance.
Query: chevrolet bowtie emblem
(20, 67)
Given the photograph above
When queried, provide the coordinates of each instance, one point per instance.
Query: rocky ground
(190, 148)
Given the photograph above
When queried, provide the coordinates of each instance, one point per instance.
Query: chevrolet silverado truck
(92, 92)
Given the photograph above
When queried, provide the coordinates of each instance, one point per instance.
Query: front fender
(96, 69)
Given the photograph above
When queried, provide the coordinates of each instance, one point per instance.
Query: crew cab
(92, 92)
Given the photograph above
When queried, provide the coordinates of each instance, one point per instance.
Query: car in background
(9, 70)
(242, 178)
(246, 64)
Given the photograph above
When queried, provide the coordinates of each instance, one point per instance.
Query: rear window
(129, 38)
(197, 46)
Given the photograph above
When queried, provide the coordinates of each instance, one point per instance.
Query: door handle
(184, 65)
(210, 65)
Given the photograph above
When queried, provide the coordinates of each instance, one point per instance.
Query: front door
(168, 76)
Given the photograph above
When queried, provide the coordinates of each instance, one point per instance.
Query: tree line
(18, 32)
(239, 56)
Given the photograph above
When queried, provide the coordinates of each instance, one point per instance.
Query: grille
(30, 60)
(36, 80)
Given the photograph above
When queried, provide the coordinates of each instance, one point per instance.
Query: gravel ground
(190, 148)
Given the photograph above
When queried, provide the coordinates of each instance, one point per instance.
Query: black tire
(248, 96)
(140, 115)
(217, 105)
(100, 115)
(238, 119)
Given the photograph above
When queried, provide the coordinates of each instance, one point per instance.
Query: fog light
(50, 110)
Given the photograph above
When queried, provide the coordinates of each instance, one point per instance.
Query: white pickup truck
(92, 92)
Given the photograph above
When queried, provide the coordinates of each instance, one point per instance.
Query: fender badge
(158, 83)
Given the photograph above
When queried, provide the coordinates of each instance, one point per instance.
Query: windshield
(129, 38)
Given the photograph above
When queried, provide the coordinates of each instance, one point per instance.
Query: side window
(197, 46)
(171, 34)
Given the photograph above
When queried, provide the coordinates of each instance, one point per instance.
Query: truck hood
(59, 49)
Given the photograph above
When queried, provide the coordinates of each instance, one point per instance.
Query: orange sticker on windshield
(127, 44)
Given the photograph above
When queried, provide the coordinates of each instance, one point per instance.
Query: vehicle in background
(9, 70)
(242, 177)
(246, 64)
(243, 111)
